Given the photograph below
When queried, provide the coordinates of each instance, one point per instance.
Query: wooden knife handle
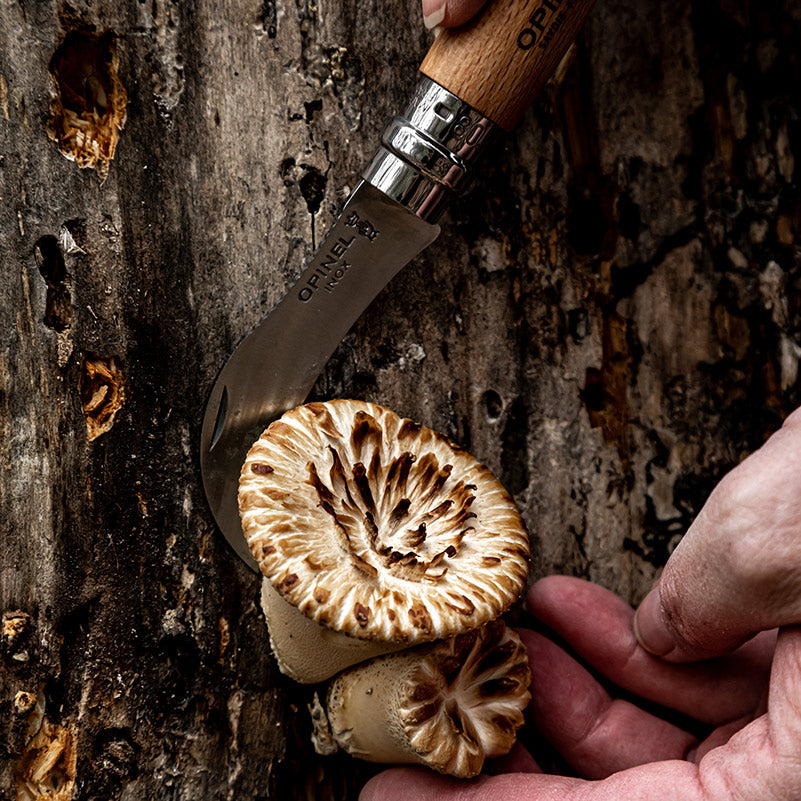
(500, 61)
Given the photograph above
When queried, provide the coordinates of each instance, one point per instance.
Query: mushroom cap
(378, 527)
(448, 705)
(464, 703)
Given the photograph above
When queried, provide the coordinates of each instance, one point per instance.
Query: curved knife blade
(275, 366)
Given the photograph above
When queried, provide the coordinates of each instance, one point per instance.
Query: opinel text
(543, 24)
(329, 272)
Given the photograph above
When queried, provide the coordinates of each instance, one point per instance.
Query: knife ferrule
(427, 153)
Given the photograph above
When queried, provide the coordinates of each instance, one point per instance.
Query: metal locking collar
(426, 152)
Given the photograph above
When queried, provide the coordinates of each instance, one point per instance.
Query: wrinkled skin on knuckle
(788, 774)
(785, 703)
(683, 611)
(745, 768)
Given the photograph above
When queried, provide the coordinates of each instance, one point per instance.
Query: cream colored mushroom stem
(307, 652)
(448, 706)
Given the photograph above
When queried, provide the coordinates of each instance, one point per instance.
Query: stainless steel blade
(274, 368)
(423, 161)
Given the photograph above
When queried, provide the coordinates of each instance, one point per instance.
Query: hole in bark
(593, 395)
(88, 104)
(629, 216)
(586, 224)
(268, 18)
(50, 261)
(287, 170)
(493, 404)
(102, 393)
(16, 633)
(58, 305)
(114, 750)
(311, 108)
(312, 187)
(578, 323)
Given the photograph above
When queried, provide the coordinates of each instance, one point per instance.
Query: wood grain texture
(610, 321)
(499, 62)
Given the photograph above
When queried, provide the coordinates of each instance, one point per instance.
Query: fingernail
(650, 628)
(433, 13)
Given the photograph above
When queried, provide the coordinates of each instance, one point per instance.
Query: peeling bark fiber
(609, 320)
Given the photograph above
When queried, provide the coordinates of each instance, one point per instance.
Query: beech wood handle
(500, 61)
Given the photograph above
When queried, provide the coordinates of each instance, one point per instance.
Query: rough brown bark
(610, 321)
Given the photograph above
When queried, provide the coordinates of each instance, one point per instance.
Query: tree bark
(610, 320)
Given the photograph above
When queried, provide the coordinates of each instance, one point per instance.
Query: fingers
(598, 627)
(738, 569)
(594, 733)
(449, 13)
(411, 784)
(678, 780)
(415, 784)
(518, 760)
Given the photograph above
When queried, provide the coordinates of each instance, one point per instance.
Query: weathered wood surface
(610, 321)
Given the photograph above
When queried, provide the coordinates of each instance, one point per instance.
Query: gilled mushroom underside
(465, 702)
(377, 526)
(449, 705)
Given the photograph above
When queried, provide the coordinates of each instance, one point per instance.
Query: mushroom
(373, 533)
(449, 705)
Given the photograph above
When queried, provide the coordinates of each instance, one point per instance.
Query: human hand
(737, 570)
(449, 13)
(716, 590)
(632, 754)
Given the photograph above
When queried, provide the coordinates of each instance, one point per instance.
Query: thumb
(737, 570)
(417, 784)
(408, 783)
(449, 13)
